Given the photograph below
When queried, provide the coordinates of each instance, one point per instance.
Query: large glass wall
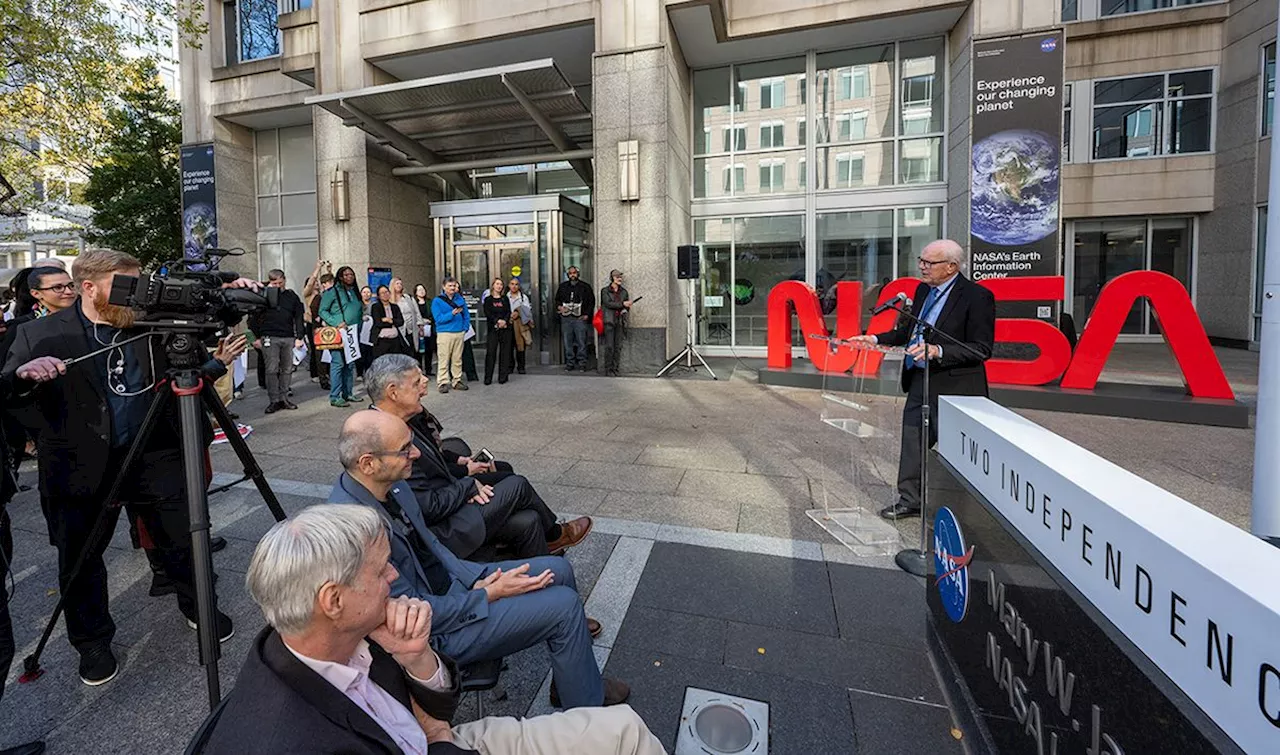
(877, 117)
(806, 145)
(285, 171)
(1105, 249)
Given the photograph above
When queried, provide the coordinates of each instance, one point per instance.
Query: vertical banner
(199, 202)
(1017, 154)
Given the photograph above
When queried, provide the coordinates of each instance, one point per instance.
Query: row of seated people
(370, 613)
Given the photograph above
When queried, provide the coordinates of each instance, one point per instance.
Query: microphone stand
(915, 560)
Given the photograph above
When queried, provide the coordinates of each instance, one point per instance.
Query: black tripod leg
(31, 664)
(251, 468)
(187, 386)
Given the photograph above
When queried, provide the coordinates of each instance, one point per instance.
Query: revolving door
(534, 238)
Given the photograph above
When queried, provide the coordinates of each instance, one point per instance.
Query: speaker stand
(690, 352)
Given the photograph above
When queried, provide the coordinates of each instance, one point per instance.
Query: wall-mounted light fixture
(629, 170)
(340, 195)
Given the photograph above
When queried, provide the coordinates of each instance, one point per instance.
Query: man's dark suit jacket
(281, 707)
(75, 420)
(969, 316)
(443, 498)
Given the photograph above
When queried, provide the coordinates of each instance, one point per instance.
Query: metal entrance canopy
(507, 115)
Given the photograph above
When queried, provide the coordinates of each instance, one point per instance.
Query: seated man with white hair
(345, 668)
(482, 611)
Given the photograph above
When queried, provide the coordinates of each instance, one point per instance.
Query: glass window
(285, 165)
(710, 106)
(917, 227)
(771, 135)
(1070, 10)
(1107, 248)
(767, 251)
(735, 178)
(802, 132)
(770, 173)
(773, 175)
(922, 94)
(735, 138)
(921, 161)
(1268, 86)
(1118, 7)
(259, 35)
(1144, 116)
(715, 305)
(773, 93)
(854, 246)
(863, 78)
(869, 164)
(1066, 123)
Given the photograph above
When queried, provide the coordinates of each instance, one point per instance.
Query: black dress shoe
(272, 408)
(287, 404)
(30, 748)
(899, 510)
(217, 543)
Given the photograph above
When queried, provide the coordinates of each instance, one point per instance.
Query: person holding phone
(497, 312)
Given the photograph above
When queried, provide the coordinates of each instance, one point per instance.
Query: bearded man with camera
(90, 415)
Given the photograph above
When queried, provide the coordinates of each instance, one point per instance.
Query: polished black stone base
(1151, 402)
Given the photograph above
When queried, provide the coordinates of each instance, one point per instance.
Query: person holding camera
(278, 332)
(91, 414)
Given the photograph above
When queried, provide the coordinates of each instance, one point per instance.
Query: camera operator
(90, 415)
(278, 331)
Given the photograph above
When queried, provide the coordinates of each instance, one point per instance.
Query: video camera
(180, 297)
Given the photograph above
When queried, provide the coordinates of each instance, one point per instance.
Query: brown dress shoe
(571, 533)
(615, 693)
(594, 627)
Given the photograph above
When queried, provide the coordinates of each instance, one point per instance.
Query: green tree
(62, 63)
(134, 189)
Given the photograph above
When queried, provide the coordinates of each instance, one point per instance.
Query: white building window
(735, 178)
(773, 92)
(286, 177)
(772, 134)
(1268, 86)
(735, 138)
(1158, 114)
(773, 175)
(849, 170)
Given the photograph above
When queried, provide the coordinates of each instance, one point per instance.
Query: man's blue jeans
(342, 377)
(575, 341)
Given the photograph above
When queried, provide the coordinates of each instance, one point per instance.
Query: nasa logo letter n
(951, 564)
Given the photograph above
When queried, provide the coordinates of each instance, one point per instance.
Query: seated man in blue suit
(479, 611)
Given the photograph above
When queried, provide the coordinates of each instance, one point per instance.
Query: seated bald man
(345, 668)
(481, 611)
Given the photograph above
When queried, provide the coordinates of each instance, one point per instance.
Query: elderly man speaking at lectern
(955, 306)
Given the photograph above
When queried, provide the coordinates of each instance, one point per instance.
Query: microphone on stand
(897, 302)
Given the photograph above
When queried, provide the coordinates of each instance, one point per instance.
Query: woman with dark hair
(521, 321)
(366, 331)
(426, 328)
(387, 321)
(340, 307)
(497, 311)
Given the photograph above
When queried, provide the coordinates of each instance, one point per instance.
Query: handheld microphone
(901, 300)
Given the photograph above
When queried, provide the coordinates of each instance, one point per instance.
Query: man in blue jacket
(340, 307)
(479, 612)
(449, 310)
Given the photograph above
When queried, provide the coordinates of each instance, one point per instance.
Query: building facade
(815, 140)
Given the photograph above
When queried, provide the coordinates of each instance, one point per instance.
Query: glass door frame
(547, 213)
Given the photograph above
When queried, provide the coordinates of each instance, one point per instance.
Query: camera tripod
(186, 355)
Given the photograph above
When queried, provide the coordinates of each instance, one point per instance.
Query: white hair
(385, 371)
(324, 543)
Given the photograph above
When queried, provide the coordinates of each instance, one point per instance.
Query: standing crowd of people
(426, 560)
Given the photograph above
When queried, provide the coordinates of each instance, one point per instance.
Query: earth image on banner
(199, 230)
(1014, 187)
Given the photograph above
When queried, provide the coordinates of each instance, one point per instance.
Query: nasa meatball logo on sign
(951, 564)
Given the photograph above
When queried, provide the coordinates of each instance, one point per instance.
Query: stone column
(640, 90)
(389, 224)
